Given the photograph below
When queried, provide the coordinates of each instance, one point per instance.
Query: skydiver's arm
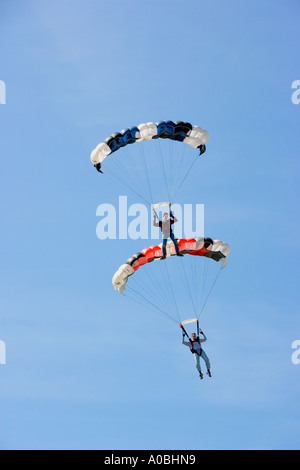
(173, 219)
(185, 343)
(204, 337)
(156, 224)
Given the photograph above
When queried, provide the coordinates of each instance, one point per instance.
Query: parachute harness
(193, 350)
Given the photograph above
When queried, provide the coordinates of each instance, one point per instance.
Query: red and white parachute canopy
(200, 247)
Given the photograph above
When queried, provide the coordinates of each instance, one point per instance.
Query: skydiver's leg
(197, 360)
(174, 240)
(164, 247)
(206, 360)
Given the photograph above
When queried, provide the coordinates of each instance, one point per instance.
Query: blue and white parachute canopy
(178, 131)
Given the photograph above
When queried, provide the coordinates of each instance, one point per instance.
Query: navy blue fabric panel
(170, 127)
(165, 129)
(159, 126)
(115, 141)
(129, 135)
(134, 131)
(179, 133)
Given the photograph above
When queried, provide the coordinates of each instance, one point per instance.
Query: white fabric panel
(196, 137)
(222, 247)
(199, 244)
(147, 131)
(100, 153)
(160, 204)
(121, 276)
(185, 322)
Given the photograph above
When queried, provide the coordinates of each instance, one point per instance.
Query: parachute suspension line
(204, 279)
(186, 282)
(171, 166)
(161, 305)
(121, 167)
(148, 300)
(199, 270)
(161, 292)
(196, 284)
(139, 173)
(163, 167)
(149, 303)
(147, 172)
(167, 298)
(202, 271)
(142, 176)
(210, 290)
(167, 292)
(182, 155)
(188, 298)
(185, 177)
(113, 175)
(195, 279)
(173, 295)
(191, 284)
(169, 289)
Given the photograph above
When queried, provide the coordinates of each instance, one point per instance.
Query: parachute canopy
(159, 166)
(205, 247)
(178, 131)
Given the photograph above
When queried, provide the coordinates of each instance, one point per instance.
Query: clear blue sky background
(85, 369)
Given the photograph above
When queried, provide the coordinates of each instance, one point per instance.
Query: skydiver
(195, 346)
(167, 232)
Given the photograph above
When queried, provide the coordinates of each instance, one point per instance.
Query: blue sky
(85, 368)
